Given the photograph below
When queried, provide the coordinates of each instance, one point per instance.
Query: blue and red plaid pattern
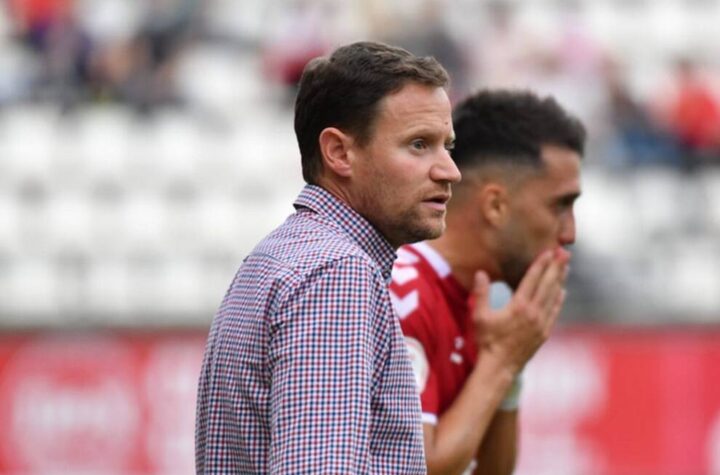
(305, 369)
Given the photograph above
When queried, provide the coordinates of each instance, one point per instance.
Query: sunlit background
(146, 146)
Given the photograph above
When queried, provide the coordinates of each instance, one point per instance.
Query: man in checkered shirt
(305, 369)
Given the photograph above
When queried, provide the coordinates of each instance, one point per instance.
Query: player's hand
(514, 333)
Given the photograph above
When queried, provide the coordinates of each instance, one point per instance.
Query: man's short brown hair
(344, 89)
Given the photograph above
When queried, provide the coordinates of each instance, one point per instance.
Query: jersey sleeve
(413, 303)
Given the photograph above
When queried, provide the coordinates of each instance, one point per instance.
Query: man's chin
(423, 233)
(434, 230)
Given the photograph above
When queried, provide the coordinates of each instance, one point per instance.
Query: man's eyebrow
(568, 197)
(425, 129)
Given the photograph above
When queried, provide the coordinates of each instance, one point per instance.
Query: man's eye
(419, 145)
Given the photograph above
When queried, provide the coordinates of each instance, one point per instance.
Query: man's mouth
(442, 198)
(438, 201)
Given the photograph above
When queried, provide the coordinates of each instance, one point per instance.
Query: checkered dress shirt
(305, 369)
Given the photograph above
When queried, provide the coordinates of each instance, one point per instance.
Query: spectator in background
(569, 65)
(51, 29)
(141, 72)
(693, 115)
(305, 370)
(434, 39)
(502, 50)
(168, 26)
(297, 38)
(509, 220)
(635, 139)
(76, 67)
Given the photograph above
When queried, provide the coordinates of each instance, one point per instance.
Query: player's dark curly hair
(510, 126)
(344, 90)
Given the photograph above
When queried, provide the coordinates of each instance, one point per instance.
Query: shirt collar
(349, 222)
(435, 259)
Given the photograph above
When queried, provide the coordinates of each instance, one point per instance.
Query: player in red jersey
(509, 220)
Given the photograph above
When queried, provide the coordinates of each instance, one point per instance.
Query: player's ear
(494, 204)
(336, 151)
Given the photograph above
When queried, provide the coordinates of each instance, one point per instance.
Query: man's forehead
(414, 98)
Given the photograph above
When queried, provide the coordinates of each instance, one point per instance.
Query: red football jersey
(434, 316)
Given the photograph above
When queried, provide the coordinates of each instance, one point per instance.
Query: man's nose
(445, 169)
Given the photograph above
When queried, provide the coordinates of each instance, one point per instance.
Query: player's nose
(566, 236)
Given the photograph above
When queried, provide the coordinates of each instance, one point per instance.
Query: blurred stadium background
(145, 146)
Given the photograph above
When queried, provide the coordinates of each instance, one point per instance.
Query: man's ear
(494, 203)
(335, 148)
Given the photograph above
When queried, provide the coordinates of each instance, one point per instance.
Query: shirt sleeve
(321, 370)
(414, 309)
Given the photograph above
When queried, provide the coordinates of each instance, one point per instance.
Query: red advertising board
(622, 402)
(98, 403)
(597, 401)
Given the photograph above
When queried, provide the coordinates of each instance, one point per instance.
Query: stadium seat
(33, 197)
(9, 224)
(709, 183)
(30, 292)
(69, 224)
(107, 289)
(28, 137)
(107, 201)
(229, 85)
(218, 269)
(659, 196)
(175, 146)
(182, 216)
(179, 291)
(220, 222)
(144, 223)
(694, 277)
(606, 224)
(101, 142)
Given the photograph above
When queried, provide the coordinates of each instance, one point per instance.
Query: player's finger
(481, 290)
(550, 302)
(550, 283)
(564, 255)
(530, 281)
(555, 311)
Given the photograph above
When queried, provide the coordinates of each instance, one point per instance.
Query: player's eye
(565, 203)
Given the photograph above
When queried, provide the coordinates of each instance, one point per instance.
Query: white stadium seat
(709, 183)
(606, 223)
(658, 199)
(31, 292)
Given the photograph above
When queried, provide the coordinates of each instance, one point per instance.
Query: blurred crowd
(138, 138)
(128, 52)
(75, 63)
